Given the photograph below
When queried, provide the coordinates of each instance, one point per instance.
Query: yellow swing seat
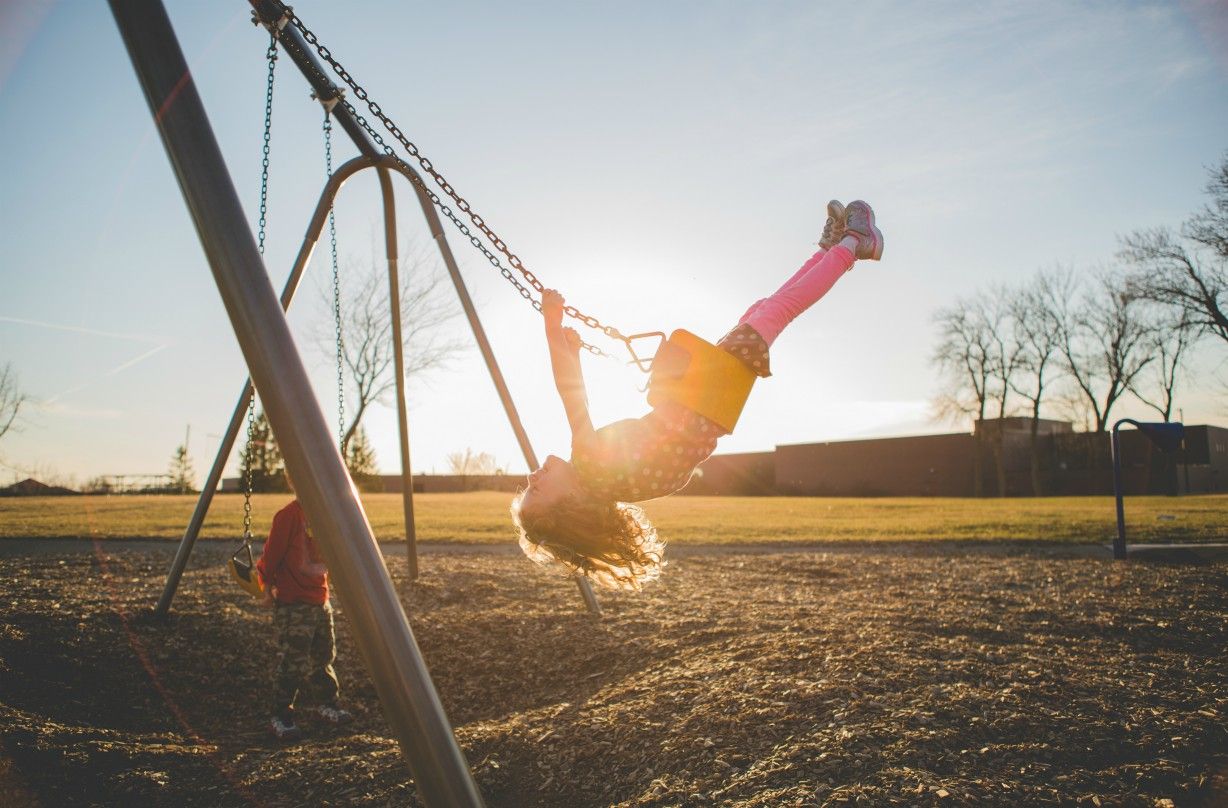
(702, 377)
(244, 571)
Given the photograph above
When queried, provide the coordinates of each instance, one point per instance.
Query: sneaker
(833, 230)
(334, 714)
(284, 729)
(859, 223)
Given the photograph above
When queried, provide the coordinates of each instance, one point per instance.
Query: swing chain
(332, 235)
(460, 202)
(271, 56)
(247, 470)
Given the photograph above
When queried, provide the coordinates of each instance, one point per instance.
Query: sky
(663, 164)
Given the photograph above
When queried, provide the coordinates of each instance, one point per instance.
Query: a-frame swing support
(316, 225)
(271, 12)
(381, 630)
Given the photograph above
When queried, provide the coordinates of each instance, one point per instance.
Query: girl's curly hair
(611, 543)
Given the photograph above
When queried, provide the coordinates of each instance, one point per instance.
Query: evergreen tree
(360, 460)
(266, 459)
(181, 472)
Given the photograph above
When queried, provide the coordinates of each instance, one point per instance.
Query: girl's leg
(806, 267)
(770, 315)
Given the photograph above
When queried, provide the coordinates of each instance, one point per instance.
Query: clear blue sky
(663, 164)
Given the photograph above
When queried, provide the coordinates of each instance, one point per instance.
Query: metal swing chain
(460, 202)
(271, 56)
(332, 237)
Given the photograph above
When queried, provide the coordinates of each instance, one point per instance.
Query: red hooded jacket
(291, 562)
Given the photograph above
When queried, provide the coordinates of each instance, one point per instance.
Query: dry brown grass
(483, 517)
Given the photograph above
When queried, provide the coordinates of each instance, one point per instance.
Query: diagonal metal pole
(331, 189)
(381, 631)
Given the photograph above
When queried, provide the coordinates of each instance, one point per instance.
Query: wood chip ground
(783, 679)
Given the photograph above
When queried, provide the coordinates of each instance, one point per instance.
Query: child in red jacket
(296, 586)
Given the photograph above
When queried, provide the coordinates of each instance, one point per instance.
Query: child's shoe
(833, 230)
(859, 223)
(284, 729)
(334, 714)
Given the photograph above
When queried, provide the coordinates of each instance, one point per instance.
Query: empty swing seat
(244, 571)
(702, 377)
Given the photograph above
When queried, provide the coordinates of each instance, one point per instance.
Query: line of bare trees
(1077, 343)
(470, 463)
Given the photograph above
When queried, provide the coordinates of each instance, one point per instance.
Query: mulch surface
(802, 678)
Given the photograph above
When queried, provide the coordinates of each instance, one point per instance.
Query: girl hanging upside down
(581, 512)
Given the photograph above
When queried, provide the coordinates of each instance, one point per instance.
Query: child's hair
(612, 543)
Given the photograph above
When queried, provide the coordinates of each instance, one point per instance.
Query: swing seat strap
(702, 377)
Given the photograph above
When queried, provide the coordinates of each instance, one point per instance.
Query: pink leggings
(817, 276)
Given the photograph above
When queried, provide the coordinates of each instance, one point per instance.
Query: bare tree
(11, 399)
(366, 331)
(469, 463)
(1191, 277)
(1035, 330)
(1167, 343)
(1101, 339)
(1006, 355)
(1209, 227)
(964, 357)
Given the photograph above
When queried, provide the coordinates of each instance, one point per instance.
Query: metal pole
(381, 632)
(314, 227)
(1185, 454)
(394, 301)
(1119, 544)
(292, 42)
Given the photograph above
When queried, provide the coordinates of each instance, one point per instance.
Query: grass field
(482, 517)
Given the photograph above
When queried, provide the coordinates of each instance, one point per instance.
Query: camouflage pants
(307, 646)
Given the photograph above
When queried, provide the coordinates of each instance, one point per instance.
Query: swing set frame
(380, 627)
(271, 15)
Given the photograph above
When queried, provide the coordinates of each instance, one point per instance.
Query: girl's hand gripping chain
(565, 362)
(552, 309)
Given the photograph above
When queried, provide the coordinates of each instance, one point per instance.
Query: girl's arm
(565, 361)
